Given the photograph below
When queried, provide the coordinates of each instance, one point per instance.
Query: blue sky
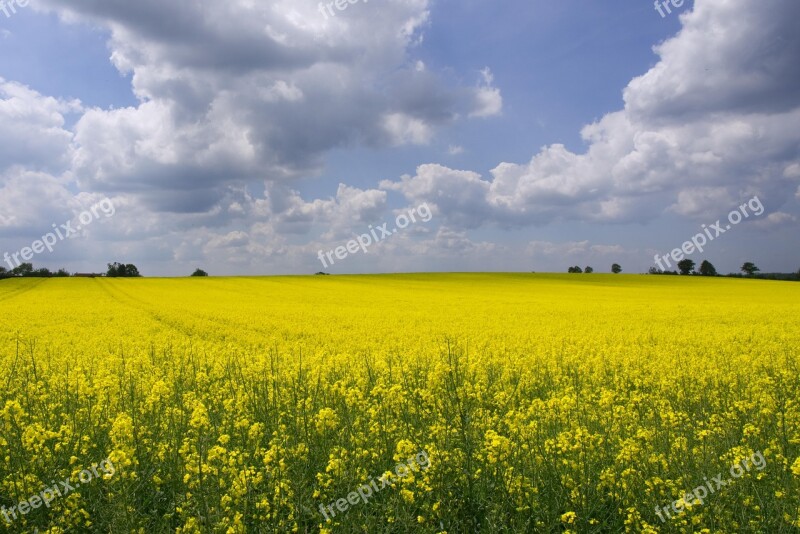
(245, 139)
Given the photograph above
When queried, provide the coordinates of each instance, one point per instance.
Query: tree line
(615, 268)
(687, 268)
(26, 270)
(115, 270)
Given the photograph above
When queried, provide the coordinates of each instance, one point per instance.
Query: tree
(686, 266)
(23, 269)
(588, 270)
(616, 268)
(44, 272)
(199, 272)
(62, 273)
(114, 270)
(131, 271)
(121, 270)
(654, 270)
(707, 269)
(575, 269)
(3, 272)
(749, 268)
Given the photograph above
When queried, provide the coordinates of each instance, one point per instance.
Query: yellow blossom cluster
(545, 403)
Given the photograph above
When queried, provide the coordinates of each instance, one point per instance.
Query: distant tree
(588, 270)
(797, 274)
(23, 269)
(686, 266)
(654, 270)
(616, 268)
(131, 271)
(575, 269)
(749, 268)
(62, 273)
(121, 270)
(707, 269)
(113, 270)
(3, 272)
(321, 274)
(44, 272)
(199, 272)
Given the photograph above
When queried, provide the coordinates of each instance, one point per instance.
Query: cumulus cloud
(236, 100)
(488, 99)
(239, 100)
(238, 92)
(348, 209)
(774, 219)
(31, 201)
(33, 130)
(404, 129)
(571, 248)
(712, 123)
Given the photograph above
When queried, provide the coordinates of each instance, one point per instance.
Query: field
(528, 403)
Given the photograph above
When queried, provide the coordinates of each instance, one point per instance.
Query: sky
(270, 137)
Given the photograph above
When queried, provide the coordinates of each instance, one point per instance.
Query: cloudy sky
(245, 136)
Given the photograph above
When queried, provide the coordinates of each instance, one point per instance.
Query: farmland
(544, 403)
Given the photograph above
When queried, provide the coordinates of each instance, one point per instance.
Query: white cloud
(712, 123)
(775, 219)
(571, 250)
(404, 129)
(694, 202)
(488, 100)
(32, 127)
(237, 98)
(236, 92)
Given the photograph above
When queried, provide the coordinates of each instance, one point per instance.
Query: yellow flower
(327, 420)
(796, 467)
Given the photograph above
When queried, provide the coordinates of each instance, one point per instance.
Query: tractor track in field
(129, 301)
(22, 290)
(146, 307)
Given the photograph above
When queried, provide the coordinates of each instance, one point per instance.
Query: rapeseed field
(401, 403)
